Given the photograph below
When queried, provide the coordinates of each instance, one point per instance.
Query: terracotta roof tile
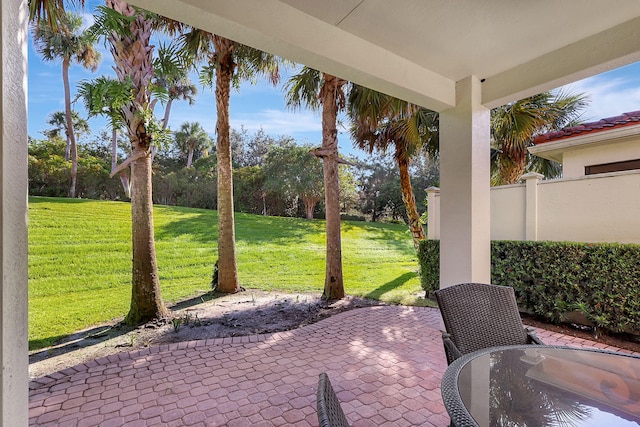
(625, 119)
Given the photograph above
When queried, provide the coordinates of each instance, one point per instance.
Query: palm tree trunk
(189, 158)
(146, 298)
(409, 199)
(124, 175)
(114, 148)
(334, 281)
(227, 265)
(71, 137)
(165, 123)
(132, 55)
(511, 169)
(167, 111)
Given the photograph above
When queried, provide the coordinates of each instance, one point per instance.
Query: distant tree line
(272, 175)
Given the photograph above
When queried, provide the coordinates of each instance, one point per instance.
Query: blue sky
(262, 106)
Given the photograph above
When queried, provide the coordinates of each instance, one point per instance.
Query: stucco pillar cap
(532, 175)
(433, 190)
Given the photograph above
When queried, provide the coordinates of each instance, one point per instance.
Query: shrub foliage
(552, 279)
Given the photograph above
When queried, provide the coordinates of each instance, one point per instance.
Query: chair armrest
(532, 338)
(450, 348)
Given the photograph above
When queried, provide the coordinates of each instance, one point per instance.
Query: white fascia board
(280, 29)
(553, 150)
(612, 48)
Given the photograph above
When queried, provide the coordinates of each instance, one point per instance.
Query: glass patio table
(534, 386)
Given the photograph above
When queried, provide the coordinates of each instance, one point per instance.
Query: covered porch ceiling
(418, 49)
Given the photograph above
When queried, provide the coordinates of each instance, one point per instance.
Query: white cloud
(273, 122)
(87, 20)
(609, 97)
(279, 122)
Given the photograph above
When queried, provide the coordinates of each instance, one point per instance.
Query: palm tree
(50, 11)
(106, 96)
(58, 123)
(128, 31)
(231, 62)
(192, 137)
(68, 43)
(380, 122)
(316, 89)
(172, 75)
(514, 125)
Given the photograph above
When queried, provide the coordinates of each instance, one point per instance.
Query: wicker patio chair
(329, 410)
(477, 315)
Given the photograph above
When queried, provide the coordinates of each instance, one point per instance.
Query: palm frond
(51, 12)
(253, 63)
(303, 88)
(106, 96)
(108, 20)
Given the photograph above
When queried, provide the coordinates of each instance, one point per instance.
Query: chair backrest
(330, 412)
(477, 316)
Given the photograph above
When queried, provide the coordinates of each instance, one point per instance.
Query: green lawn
(80, 260)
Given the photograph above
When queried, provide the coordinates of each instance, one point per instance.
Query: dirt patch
(210, 316)
(625, 341)
(245, 313)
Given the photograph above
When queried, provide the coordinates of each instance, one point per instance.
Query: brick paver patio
(386, 364)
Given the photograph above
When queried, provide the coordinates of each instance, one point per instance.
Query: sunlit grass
(80, 260)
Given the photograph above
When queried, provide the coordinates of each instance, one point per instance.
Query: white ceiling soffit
(418, 49)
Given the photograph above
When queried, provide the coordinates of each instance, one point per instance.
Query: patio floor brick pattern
(385, 363)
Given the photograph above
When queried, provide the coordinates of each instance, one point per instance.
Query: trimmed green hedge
(552, 279)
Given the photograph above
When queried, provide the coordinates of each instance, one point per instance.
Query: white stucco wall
(13, 220)
(508, 212)
(596, 208)
(575, 160)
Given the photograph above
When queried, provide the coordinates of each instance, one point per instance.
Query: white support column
(465, 206)
(14, 377)
(433, 213)
(531, 211)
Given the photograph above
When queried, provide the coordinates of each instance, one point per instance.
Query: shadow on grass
(203, 227)
(61, 200)
(390, 286)
(63, 344)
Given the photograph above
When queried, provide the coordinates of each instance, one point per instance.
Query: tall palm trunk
(114, 148)
(334, 281)
(71, 137)
(146, 298)
(124, 175)
(409, 199)
(189, 158)
(132, 56)
(167, 112)
(227, 265)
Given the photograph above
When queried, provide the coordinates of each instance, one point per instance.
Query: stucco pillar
(465, 206)
(531, 200)
(14, 376)
(433, 213)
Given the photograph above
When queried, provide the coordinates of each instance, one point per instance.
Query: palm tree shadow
(202, 227)
(64, 344)
(390, 286)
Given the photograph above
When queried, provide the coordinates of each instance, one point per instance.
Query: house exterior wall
(574, 161)
(593, 209)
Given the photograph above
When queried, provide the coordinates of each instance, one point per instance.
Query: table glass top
(538, 386)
